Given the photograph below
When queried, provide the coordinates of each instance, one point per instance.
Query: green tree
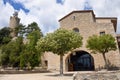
(33, 58)
(20, 51)
(30, 55)
(4, 36)
(60, 42)
(32, 27)
(4, 59)
(4, 39)
(20, 30)
(23, 59)
(11, 53)
(101, 44)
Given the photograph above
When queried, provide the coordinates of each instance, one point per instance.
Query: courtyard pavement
(36, 76)
(44, 76)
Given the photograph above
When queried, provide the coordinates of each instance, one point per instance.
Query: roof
(81, 11)
(106, 17)
(118, 35)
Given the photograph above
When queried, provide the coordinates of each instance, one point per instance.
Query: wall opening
(80, 61)
(46, 63)
(76, 29)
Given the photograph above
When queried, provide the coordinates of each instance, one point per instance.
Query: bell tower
(14, 22)
(87, 5)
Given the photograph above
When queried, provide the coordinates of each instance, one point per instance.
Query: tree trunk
(106, 65)
(61, 65)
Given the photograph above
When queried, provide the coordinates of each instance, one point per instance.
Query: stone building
(14, 22)
(82, 59)
(118, 39)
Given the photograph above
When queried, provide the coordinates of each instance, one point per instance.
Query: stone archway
(80, 61)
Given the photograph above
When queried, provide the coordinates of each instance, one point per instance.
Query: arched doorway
(80, 61)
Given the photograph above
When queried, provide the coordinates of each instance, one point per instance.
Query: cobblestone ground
(36, 76)
(118, 75)
(101, 75)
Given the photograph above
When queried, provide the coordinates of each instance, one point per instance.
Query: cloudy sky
(47, 12)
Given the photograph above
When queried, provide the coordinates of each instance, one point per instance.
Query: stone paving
(48, 76)
(36, 76)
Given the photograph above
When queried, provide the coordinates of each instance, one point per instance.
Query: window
(73, 17)
(46, 63)
(76, 29)
(102, 33)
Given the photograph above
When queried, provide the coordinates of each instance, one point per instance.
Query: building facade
(82, 59)
(118, 39)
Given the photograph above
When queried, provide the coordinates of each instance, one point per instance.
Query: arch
(80, 61)
(76, 29)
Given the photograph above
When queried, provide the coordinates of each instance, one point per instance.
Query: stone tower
(14, 22)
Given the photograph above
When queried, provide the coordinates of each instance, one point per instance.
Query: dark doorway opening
(80, 61)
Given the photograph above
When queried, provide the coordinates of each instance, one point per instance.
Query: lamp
(74, 53)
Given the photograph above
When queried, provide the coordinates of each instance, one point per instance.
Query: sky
(47, 12)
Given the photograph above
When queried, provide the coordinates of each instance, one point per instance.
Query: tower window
(76, 29)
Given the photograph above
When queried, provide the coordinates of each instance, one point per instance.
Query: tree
(33, 58)
(5, 35)
(4, 39)
(20, 51)
(101, 44)
(32, 27)
(11, 52)
(60, 42)
(20, 30)
(33, 33)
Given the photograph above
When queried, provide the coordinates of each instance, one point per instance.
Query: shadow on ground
(22, 72)
(56, 75)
